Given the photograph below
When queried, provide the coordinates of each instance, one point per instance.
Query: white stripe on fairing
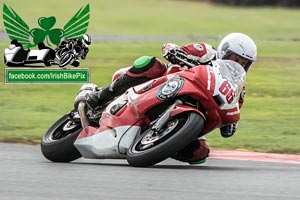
(109, 144)
(208, 78)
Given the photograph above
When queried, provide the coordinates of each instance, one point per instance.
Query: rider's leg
(195, 153)
(147, 66)
(144, 68)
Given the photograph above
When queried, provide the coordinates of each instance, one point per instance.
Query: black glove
(228, 130)
(84, 52)
(84, 90)
(169, 50)
(93, 100)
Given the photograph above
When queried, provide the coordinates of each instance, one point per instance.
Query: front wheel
(66, 58)
(57, 144)
(153, 147)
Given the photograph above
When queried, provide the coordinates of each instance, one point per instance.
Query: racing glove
(84, 52)
(84, 90)
(169, 49)
(93, 100)
(228, 130)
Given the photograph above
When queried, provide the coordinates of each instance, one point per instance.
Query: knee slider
(143, 62)
(146, 66)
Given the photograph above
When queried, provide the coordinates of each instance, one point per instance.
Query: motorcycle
(68, 53)
(152, 121)
(17, 56)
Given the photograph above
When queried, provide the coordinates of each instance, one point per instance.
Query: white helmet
(86, 39)
(239, 44)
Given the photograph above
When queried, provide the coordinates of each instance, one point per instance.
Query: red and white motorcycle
(152, 121)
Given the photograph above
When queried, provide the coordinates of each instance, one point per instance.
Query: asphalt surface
(26, 174)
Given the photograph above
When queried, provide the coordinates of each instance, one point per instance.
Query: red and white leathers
(198, 51)
(201, 52)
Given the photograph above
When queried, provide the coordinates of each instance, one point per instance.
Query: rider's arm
(242, 97)
(170, 48)
(201, 52)
(64, 43)
(228, 130)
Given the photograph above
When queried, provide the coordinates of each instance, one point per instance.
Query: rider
(235, 46)
(80, 45)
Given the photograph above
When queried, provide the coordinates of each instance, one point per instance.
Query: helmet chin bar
(248, 65)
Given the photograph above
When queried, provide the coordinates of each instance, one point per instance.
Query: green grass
(166, 17)
(271, 111)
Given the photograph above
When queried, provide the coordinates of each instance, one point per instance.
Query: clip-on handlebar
(182, 57)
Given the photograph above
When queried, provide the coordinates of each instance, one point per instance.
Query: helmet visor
(244, 62)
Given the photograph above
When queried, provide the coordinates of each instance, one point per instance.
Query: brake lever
(184, 60)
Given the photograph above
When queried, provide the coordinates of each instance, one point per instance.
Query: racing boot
(97, 100)
(195, 153)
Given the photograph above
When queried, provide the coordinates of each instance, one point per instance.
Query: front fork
(82, 114)
(165, 117)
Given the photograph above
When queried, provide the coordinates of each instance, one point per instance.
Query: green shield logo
(17, 29)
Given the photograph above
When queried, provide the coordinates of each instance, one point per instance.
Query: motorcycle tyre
(188, 132)
(66, 59)
(62, 149)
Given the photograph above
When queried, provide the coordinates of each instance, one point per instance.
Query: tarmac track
(26, 174)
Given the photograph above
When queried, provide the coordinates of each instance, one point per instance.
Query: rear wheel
(152, 147)
(57, 144)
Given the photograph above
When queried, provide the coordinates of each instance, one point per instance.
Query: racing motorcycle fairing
(217, 88)
(123, 118)
(184, 108)
(106, 142)
(116, 132)
(120, 123)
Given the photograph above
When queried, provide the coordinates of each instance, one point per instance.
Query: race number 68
(227, 91)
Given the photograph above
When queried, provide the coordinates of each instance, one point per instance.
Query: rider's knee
(147, 66)
(195, 151)
(203, 150)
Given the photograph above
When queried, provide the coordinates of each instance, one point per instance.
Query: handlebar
(182, 57)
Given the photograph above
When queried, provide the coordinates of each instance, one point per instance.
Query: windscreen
(233, 72)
